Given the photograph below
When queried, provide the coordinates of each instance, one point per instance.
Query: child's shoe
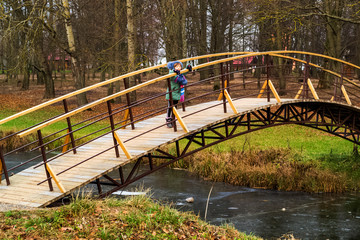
(169, 122)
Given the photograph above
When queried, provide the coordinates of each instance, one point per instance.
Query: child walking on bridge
(177, 84)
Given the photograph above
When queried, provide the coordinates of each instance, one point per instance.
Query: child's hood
(170, 65)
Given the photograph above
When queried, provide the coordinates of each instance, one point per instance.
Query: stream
(265, 213)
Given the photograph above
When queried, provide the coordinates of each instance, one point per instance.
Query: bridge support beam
(332, 118)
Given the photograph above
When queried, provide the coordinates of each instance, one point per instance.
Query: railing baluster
(69, 127)
(223, 86)
(4, 169)
(341, 82)
(228, 69)
(43, 153)
(111, 118)
(171, 105)
(128, 101)
(267, 78)
(243, 71)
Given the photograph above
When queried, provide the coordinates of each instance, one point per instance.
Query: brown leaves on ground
(132, 218)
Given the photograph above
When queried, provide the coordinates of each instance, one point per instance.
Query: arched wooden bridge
(78, 147)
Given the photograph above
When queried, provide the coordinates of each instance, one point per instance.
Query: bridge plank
(25, 191)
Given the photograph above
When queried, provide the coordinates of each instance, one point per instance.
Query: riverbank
(288, 158)
(136, 217)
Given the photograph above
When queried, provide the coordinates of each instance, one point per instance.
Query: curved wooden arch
(134, 88)
(335, 118)
(240, 55)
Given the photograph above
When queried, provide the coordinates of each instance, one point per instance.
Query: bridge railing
(226, 80)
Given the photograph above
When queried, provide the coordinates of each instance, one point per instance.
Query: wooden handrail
(100, 84)
(243, 55)
(115, 95)
(82, 108)
(317, 66)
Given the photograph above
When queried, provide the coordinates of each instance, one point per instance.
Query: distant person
(177, 83)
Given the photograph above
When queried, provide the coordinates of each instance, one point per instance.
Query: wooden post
(178, 117)
(347, 98)
(53, 175)
(312, 89)
(299, 92)
(272, 88)
(126, 118)
(66, 142)
(221, 93)
(128, 155)
(262, 90)
(227, 95)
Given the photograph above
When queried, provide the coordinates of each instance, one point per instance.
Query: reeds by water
(271, 169)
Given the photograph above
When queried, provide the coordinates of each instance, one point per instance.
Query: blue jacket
(175, 82)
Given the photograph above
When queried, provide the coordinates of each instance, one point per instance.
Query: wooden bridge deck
(24, 190)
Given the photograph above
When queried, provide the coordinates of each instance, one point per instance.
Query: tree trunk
(279, 61)
(358, 52)
(333, 37)
(117, 43)
(230, 36)
(218, 26)
(202, 37)
(26, 80)
(131, 44)
(183, 29)
(76, 66)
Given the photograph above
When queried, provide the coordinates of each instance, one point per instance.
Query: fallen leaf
(67, 229)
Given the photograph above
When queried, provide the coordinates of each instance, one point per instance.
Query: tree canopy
(116, 36)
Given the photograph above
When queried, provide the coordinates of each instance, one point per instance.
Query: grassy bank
(131, 218)
(292, 158)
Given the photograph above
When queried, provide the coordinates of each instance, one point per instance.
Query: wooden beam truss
(336, 120)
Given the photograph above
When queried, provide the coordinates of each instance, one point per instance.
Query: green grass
(135, 217)
(36, 117)
(311, 143)
(329, 162)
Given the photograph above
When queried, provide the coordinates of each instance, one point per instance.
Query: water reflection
(266, 213)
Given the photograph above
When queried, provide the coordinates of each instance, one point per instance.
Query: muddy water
(265, 213)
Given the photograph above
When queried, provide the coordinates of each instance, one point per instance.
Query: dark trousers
(169, 110)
